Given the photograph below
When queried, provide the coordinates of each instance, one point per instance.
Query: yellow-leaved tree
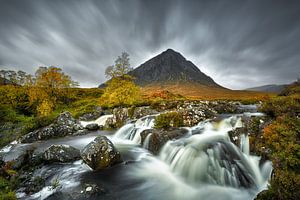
(120, 90)
(49, 85)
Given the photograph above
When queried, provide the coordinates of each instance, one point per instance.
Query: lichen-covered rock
(93, 115)
(159, 137)
(121, 115)
(143, 111)
(225, 106)
(64, 125)
(61, 153)
(100, 153)
(92, 127)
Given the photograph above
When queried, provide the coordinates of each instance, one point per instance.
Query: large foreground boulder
(64, 125)
(159, 137)
(100, 153)
(61, 153)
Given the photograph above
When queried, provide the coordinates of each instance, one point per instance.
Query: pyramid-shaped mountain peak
(170, 67)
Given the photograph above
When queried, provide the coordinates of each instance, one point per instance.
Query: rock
(120, 116)
(92, 127)
(64, 125)
(81, 132)
(159, 137)
(34, 184)
(61, 153)
(235, 135)
(225, 106)
(110, 123)
(263, 195)
(93, 115)
(143, 111)
(100, 153)
(23, 158)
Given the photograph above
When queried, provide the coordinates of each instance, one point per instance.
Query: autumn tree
(47, 87)
(121, 89)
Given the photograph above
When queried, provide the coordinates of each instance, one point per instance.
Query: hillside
(268, 88)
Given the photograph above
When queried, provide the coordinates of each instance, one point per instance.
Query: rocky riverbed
(77, 159)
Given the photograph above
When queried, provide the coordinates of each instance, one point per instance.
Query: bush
(281, 105)
(167, 120)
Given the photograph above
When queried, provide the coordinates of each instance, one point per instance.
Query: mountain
(170, 67)
(171, 72)
(269, 88)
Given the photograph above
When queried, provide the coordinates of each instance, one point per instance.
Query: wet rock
(61, 153)
(121, 115)
(110, 123)
(235, 135)
(225, 106)
(143, 111)
(33, 184)
(90, 189)
(100, 153)
(93, 115)
(92, 127)
(159, 137)
(22, 159)
(263, 195)
(81, 132)
(64, 125)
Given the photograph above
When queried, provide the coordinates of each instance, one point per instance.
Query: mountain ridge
(273, 88)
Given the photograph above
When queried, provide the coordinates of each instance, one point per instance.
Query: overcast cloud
(238, 43)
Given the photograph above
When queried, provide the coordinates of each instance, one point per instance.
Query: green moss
(170, 119)
(8, 195)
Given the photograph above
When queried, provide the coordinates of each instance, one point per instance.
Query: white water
(205, 165)
(131, 132)
(100, 121)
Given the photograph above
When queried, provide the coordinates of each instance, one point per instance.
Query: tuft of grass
(167, 120)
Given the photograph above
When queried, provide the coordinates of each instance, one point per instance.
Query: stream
(203, 164)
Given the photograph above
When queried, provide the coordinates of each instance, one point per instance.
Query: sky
(240, 44)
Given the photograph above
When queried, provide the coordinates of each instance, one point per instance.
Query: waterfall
(100, 121)
(147, 140)
(132, 131)
(207, 158)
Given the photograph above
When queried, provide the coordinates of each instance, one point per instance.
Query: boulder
(222, 107)
(160, 136)
(64, 125)
(92, 127)
(143, 111)
(121, 115)
(61, 153)
(100, 153)
(92, 115)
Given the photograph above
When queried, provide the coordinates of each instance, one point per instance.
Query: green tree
(121, 89)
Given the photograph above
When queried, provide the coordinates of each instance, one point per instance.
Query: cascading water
(207, 159)
(100, 121)
(204, 164)
(132, 131)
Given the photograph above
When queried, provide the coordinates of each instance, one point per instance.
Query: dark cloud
(238, 43)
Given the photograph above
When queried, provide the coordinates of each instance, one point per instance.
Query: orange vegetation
(197, 91)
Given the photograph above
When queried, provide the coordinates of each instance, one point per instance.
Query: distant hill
(268, 88)
(170, 67)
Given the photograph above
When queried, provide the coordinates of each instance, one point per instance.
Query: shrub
(167, 120)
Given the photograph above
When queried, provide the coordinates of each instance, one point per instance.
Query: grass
(201, 92)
